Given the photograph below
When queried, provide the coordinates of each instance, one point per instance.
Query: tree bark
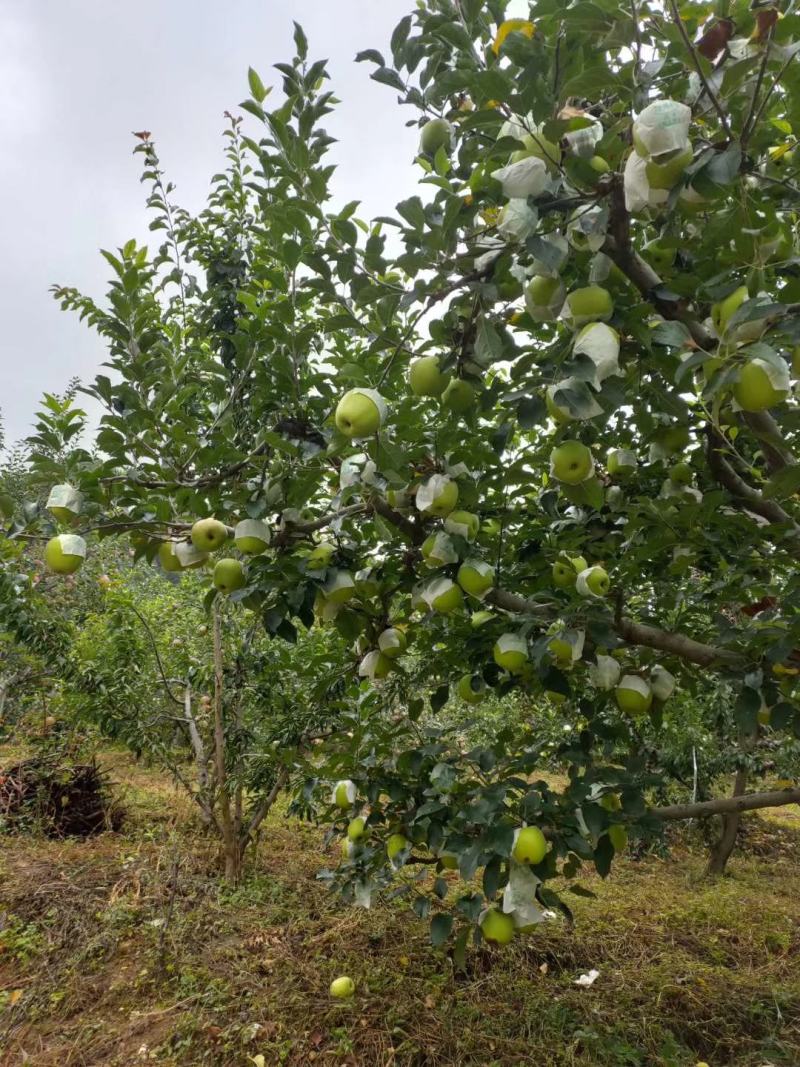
(200, 758)
(704, 809)
(230, 845)
(722, 849)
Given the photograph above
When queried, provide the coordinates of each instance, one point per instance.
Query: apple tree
(534, 431)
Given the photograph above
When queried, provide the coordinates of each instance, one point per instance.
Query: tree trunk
(723, 847)
(230, 846)
(200, 758)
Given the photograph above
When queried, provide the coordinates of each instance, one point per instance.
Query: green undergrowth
(128, 949)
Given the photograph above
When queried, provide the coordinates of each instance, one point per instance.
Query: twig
(676, 17)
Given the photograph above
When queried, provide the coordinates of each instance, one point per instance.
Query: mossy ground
(127, 949)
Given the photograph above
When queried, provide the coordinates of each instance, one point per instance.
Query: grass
(126, 949)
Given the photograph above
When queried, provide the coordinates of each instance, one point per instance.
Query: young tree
(549, 441)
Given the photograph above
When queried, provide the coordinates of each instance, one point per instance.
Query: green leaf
(257, 87)
(441, 927)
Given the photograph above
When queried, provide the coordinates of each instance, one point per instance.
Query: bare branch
(726, 805)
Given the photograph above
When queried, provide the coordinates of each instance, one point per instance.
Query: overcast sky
(77, 76)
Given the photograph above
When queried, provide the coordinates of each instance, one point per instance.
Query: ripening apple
(564, 574)
(530, 845)
(633, 695)
(209, 534)
(357, 828)
(229, 576)
(618, 836)
(395, 844)
(471, 688)
(64, 502)
(459, 396)
(444, 596)
(251, 536)
(438, 496)
(375, 665)
(497, 927)
(724, 311)
(342, 988)
(659, 255)
(475, 577)
(680, 473)
(339, 588)
(65, 553)
(510, 653)
(571, 462)
(556, 412)
(621, 463)
(437, 550)
(426, 377)
(754, 390)
(344, 794)
(593, 581)
(590, 304)
(665, 175)
(561, 651)
(435, 134)
(320, 556)
(544, 297)
(360, 413)
(463, 524)
(167, 558)
(536, 144)
(392, 642)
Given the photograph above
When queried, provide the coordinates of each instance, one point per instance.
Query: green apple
(167, 558)
(360, 413)
(437, 496)
(367, 584)
(593, 582)
(618, 836)
(571, 463)
(671, 439)
(437, 550)
(621, 463)
(680, 473)
(599, 164)
(479, 618)
(611, 802)
(463, 524)
(395, 844)
(554, 697)
(536, 144)
(342, 988)
(754, 390)
(560, 650)
(251, 536)
(723, 312)
(554, 410)
(449, 861)
(339, 588)
(347, 848)
(443, 596)
(64, 502)
(659, 255)
(459, 396)
(320, 556)
(511, 653)
(375, 666)
(530, 845)
(435, 134)
(665, 175)
(344, 794)
(475, 577)
(544, 298)
(579, 563)
(229, 576)
(662, 682)
(634, 695)
(189, 557)
(357, 828)
(398, 498)
(471, 688)
(65, 553)
(392, 642)
(564, 574)
(426, 377)
(590, 304)
(209, 534)
(497, 927)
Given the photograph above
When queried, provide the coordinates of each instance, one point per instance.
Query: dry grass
(688, 970)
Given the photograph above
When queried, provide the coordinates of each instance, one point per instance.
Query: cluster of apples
(250, 536)
(498, 924)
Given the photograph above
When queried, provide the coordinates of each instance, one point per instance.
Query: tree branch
(738, 487)
(410, 530)
(698, 66)
(726, 805)
(765, 428)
